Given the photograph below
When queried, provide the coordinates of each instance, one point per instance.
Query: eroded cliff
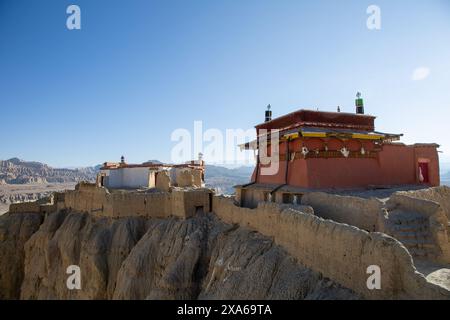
(139, 258)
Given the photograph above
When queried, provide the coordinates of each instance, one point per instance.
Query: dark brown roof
(321, 119)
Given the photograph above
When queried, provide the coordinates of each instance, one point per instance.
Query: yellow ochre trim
(314, 134)
(325, 135)
(291, 136)
(367, 136)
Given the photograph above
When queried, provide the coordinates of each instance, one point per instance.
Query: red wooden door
(423, 172)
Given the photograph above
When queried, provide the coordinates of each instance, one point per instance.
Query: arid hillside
(16, 171)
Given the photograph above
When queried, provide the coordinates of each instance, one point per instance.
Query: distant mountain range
(16, 171)
(223, 179)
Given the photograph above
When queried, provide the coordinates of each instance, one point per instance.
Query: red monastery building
(335, 150)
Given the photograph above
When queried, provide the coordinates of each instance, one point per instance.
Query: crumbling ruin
(337, 236)
(147, 175)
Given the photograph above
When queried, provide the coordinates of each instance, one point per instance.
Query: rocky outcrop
(246, 265)
(15, 230)
(138, 258)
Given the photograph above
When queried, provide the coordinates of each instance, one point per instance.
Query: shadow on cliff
(138, 258)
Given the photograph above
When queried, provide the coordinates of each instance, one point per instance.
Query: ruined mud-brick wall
(59, 200)
(359, 212)
(440, 195)
(186, 203)
(32, 207)
(186, 177)
(180, 203)
(340, 252)
(433, 211)
(163, 180)
(373, 215)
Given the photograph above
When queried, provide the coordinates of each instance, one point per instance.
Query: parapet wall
(436, 219)
(181, 203)
(374, 215)
(340, 252)
(359, 212)
(440, 195)
(33, 207)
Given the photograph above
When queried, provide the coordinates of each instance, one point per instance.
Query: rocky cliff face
(16, 171)
(137, 258)
(15, 230)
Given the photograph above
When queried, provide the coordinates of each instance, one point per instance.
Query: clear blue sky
(139, 69)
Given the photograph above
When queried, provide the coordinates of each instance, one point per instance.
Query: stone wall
(25, 207)
(340, 252)
(434, 215)
(186, 177)
(440, 195)
(186, 204)
(181, 203)
(33, 207)
(359, 212)
(376, 216)
(198, 178)
(163, 180)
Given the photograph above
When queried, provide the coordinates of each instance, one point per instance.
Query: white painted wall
(115, 179)
(129, 178)
(140, 177)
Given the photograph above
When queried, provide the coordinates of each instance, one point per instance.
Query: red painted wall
(397, 164)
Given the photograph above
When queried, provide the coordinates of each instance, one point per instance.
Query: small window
(288, 198)
(199, 209)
